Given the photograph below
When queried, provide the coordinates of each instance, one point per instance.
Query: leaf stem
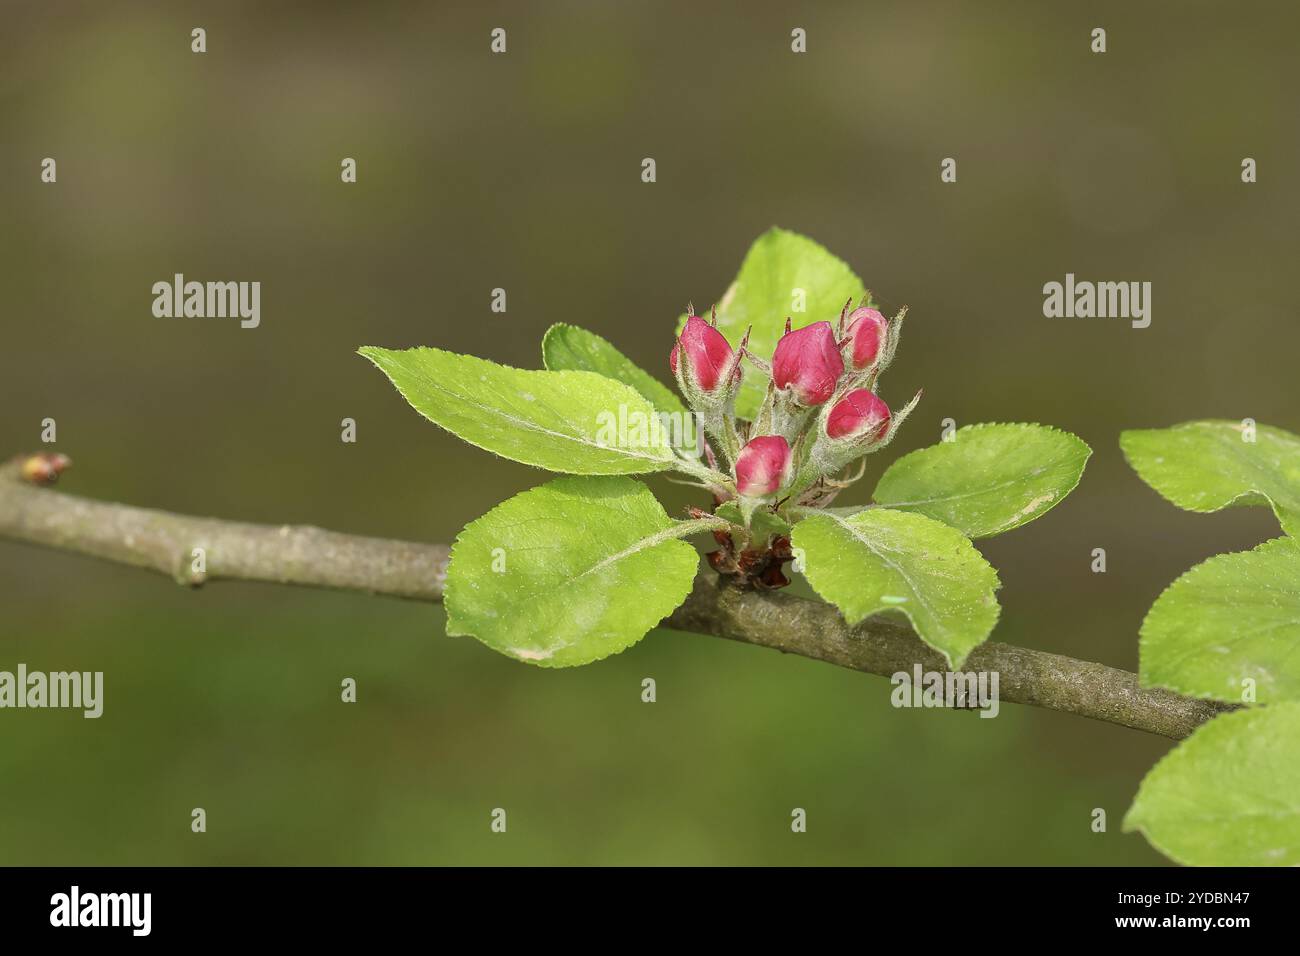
(698, 525)
(710, 476)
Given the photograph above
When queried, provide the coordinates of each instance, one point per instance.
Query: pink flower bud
(808, 361)
(710, 360)
(865, 336)
(861, 414)
(763, 466)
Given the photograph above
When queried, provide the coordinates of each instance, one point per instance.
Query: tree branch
(165, 542)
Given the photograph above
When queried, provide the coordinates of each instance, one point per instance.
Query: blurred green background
(522, 171)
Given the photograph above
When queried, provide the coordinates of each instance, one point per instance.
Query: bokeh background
(522, 171)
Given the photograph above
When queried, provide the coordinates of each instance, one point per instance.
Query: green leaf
(569, 348)
(563, 421)
(879, 560)
(1229, 795)
(762, 296)
(569, 572)
(763, 523)
(988, 478)
(1206, 466)
(1233, 617)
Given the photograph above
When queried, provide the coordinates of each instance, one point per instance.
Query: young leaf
(763, 524)
(879, 560)
(569, 572)
(569, 348)
(1209, 465)
(988, 479)
(1228, 795)
(562, 421)
(1235, 616)
(764, 294)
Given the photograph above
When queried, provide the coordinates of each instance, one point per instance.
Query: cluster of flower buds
(857, 421)
(821, 411)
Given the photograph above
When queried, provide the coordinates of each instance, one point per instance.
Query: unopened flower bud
(44, 468)
(861, 415)
(858, 424)
(865, 338)
(808, 362)
(706, 367)
(763, 466)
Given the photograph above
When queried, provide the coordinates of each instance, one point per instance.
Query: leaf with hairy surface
(1228, 795)
(569, 348)
(1210, 465)
(569, 572)
(879, 560)
(561, 421)
(988, 478)
(1231, 618)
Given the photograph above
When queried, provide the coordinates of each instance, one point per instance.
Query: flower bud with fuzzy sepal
(868, 341)
(709, 374)
(806, 369)
(707, 369)
(855, 424)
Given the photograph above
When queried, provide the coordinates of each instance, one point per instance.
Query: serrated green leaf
(988, 478)
(762, 296)
(1233, 617)
(569, 348)
(1208, 465)
(1228, 795)
(561, 421)
(569, 572)
(879, 559)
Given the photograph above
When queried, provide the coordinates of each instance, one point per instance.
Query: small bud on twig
(44, 468)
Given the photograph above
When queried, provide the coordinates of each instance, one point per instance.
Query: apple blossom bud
(860, 423)
(707, 369)
(763, 466)
(709, 357)
(808, 361)
(865, 338)
(859, 415)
